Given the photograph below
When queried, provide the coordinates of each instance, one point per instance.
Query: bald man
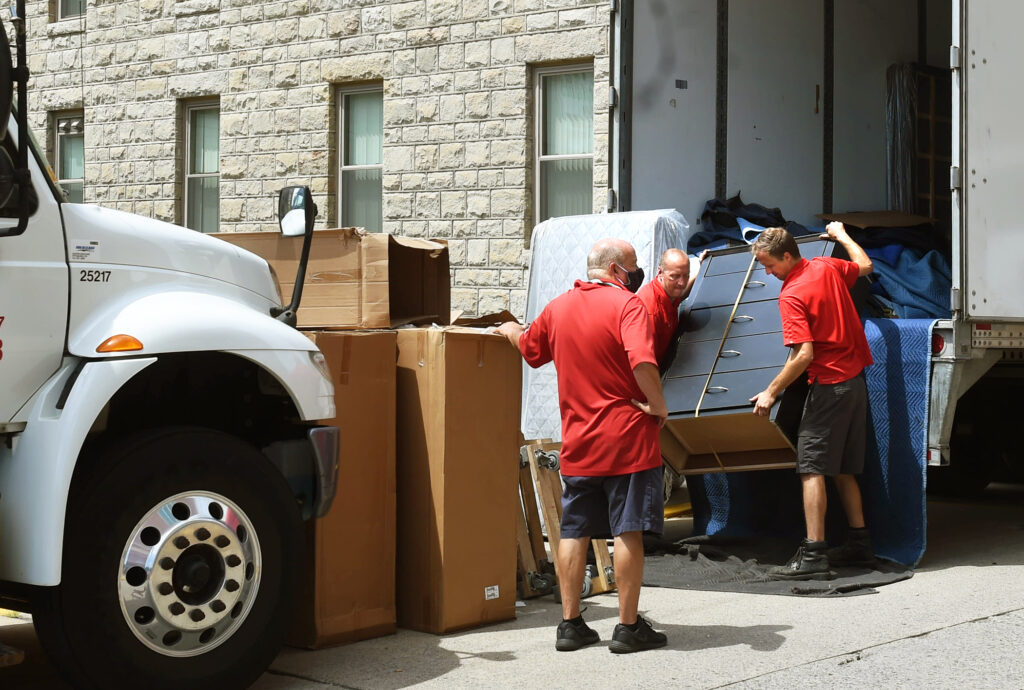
(609, 393)
(663, 295)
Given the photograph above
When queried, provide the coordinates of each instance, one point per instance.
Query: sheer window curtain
(363, 137)
(566, 186)
(71, 165)
(203, 191)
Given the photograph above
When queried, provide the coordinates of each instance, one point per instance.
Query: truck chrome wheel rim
(189, 573)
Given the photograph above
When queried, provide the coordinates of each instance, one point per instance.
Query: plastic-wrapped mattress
(559, 251)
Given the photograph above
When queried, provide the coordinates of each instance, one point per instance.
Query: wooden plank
(549, 488)
(604, 566)
(526, 563)
(529, 494)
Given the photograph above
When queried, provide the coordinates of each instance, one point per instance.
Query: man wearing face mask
(610, 397)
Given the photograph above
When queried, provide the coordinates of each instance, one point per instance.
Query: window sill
(66, 27)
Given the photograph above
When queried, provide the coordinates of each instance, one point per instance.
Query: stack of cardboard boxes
(422, 532)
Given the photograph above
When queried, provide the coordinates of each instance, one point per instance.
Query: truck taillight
(938, 342)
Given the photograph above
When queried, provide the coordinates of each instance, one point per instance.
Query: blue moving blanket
(893, 484)
(917, 282)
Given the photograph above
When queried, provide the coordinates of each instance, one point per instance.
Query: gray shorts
(833, 430)
(602, 507)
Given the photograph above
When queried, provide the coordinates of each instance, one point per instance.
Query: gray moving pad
(742, 566)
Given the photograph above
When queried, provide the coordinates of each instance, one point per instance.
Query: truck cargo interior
(819, 108)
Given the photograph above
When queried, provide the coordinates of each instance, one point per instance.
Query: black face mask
(634, 279)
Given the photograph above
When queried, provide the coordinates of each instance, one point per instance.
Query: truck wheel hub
(190, 571)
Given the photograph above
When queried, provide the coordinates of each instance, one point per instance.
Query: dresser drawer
(752, 352)
(751, 318)
(734, 261)
(734, 389)
(694, 358)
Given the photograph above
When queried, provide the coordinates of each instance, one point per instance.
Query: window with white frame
(360, 154)
(565, 141)
(202, 167)
(70, 8)
(69, 142)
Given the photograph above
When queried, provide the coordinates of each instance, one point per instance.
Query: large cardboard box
(356, 279)
(348, 578)
(458, 471)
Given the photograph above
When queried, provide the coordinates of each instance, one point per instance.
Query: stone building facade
(459, 116)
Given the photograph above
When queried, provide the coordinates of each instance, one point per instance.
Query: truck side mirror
(296, 213)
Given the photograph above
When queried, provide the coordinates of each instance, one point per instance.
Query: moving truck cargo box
(359, 280)
(458, 478)
(348, 578)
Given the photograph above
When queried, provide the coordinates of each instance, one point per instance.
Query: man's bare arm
(799, 359)
(837, 231)
(649, 380)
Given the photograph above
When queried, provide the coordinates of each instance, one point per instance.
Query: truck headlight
(320, 362)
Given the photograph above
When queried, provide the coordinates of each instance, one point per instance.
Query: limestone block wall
(457, 79)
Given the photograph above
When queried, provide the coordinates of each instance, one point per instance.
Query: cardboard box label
(492, 592)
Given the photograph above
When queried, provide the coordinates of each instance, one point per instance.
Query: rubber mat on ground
(728, 565)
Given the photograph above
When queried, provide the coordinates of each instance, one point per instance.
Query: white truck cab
(158, 437)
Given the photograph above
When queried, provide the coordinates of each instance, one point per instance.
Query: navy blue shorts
(602, 507)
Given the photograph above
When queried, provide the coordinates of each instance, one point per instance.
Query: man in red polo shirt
(826, 339)
(612, 407)
(663, 295)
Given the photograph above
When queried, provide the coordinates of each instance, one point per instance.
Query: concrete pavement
(959, 622)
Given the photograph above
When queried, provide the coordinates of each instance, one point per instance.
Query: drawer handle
(717, 389)
(730, 353)
(741, 318)
(757, 284)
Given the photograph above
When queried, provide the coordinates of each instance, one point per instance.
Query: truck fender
(181, 321)
(36, 470)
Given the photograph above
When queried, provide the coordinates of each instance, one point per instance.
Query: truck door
(33, 296)
(991, 147)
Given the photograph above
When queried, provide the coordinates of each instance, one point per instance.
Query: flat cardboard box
(459, 393)
(356, 279)
(725, 443)
(348, 578)
(877, 219)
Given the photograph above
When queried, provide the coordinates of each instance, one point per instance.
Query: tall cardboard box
(356, 279)
(348, 579)
(458, 469)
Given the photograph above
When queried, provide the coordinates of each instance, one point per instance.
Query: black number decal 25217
(89, 276)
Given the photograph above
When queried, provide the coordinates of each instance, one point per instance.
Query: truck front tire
(178, 566)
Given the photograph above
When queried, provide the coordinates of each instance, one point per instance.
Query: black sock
(575, 621)
(634, 625)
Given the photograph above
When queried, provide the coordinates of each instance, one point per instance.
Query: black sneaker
(810, 562)
(626, 641)
(855, 551)
(571, 636)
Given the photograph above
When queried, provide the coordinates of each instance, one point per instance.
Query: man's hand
(512, 331)
(763, 402)
(662, 415)
(835, 230)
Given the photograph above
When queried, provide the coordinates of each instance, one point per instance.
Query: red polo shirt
(816, 307)
(664, 313)
(596, 334)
